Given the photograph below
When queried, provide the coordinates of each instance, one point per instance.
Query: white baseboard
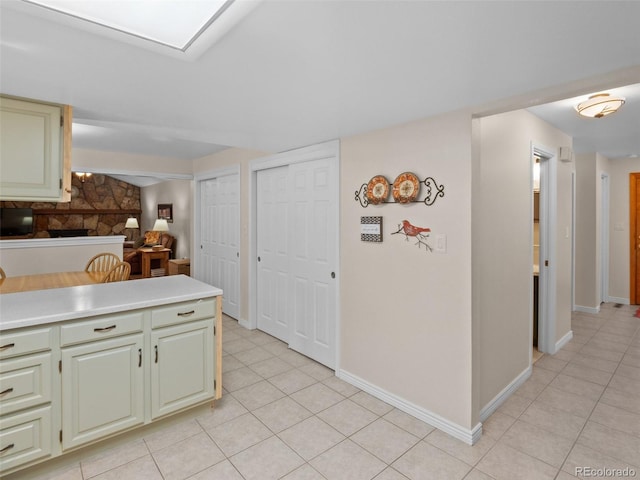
(506, 392)
(564, 340)
(581, 309)
(466, 435)
(623, 301)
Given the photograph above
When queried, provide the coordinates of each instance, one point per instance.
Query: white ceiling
(291, 74)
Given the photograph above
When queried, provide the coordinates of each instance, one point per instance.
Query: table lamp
(160, 225)
(132, 223)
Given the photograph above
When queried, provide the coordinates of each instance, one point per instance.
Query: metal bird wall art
(419, 233)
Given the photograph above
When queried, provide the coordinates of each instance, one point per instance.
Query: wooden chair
(102, 262)
(118, 273)
(2, 274)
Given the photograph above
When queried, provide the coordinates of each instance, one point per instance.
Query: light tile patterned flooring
(285, 416)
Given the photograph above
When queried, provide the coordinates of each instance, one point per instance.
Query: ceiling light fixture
(600, 105)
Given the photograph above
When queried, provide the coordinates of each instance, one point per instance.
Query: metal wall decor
(405, 190)
(419, 233)
(371, 229)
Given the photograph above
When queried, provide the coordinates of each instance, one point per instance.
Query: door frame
(320, 151)
(547, 276)
(604, 237)
(633, 235)
(196, 264)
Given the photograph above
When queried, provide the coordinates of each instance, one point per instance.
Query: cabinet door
(31, 150)
(24, 437)
(182, 366)
(102, 389)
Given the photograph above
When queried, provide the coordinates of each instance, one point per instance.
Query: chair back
(2, 274)
(102, 262)
(118, 273)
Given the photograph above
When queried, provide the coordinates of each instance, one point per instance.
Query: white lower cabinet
(26, 385)
(102, 389)
(182, 366)
(84, 380)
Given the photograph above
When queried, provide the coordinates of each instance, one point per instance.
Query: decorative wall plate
(405, 187)
(377, 189)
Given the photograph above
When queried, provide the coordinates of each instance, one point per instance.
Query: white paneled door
(313, 260)
(297, 256)
(220, 238)
(273, 251)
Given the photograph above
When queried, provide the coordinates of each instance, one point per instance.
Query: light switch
(441, 243)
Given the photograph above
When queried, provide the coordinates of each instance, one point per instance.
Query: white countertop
(39, 307)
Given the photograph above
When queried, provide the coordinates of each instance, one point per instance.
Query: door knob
(258, 258)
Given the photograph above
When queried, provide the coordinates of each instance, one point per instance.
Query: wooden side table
(149, 254)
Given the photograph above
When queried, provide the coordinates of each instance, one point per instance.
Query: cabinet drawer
(25, 341)
(100, 328)
(25, 382)
(25, 437)
(183, 312)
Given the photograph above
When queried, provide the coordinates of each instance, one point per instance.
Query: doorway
(544, 303)
(634, 240)
(536, 254)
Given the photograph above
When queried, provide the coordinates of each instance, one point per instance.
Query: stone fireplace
(100, 205)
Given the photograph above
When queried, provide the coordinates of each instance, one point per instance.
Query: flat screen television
(16, 222)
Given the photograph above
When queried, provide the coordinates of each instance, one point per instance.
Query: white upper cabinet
(35, 151)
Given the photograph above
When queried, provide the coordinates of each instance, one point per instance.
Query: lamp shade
(160, 225)
(132, 222)
(600, 105)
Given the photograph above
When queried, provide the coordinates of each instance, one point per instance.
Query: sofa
(130, 252)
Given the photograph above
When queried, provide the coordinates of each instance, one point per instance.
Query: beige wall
(180, 194)
(589, 168)
(587, 253)
(406, 313)
(619, 227)
(389, 334)
(502, 239)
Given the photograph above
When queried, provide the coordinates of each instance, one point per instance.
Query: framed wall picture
(371, 229)
(165, 211)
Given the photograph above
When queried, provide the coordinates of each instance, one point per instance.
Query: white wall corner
(506, 392)
(563, 341)
(620, 300)
(468, 436)
(583, 309)
(246, 324)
